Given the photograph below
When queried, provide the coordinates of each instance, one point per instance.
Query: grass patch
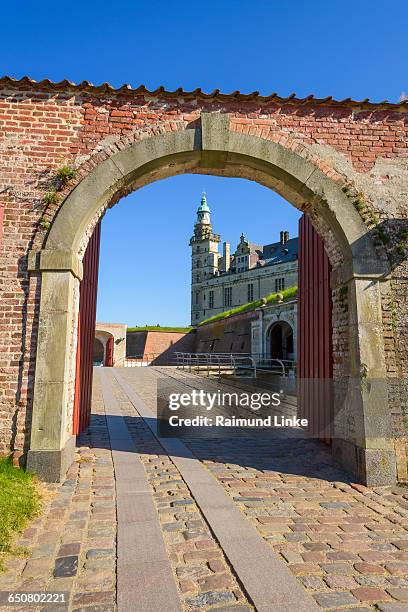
(19, 501)
(272, 298)
(160, 328)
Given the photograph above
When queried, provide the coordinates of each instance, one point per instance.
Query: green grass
(160, 328)
(19, 501)
(272, 298)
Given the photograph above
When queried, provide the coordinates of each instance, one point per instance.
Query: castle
(221, 282)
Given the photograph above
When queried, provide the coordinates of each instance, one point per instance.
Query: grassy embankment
(19, 501)
(272, 298)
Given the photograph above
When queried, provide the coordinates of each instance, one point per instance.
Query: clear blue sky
(348, 48)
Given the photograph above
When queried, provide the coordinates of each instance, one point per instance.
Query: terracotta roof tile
(86, 86)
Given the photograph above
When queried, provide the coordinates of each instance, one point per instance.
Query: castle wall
(262, 279)
(231, 335)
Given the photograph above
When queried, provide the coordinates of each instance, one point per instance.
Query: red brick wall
(43, 128)
(159, 346)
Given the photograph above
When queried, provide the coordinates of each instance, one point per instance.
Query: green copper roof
(203, 206)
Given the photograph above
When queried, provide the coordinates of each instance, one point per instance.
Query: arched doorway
(281, 341)
(214, 148)
(103, 349)
(98, 352)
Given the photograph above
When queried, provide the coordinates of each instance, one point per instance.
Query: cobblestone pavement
(72, 546)
(346, 544)
(202, 573)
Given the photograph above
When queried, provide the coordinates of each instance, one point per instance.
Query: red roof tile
(86, 86)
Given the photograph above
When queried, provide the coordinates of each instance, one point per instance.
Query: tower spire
(203, 211)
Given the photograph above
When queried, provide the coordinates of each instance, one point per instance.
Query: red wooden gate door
(86, 332)
(109, 352)
(315, 356)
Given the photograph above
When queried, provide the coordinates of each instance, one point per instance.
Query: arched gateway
(210, 140)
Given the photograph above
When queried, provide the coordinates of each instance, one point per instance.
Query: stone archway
(281, 340)
(106, 340)
(213, 148)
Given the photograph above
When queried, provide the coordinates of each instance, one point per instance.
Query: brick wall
(159, 346)
(43, 127)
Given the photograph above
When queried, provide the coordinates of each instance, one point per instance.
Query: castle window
(279, 284)
(211, 299)
(197, 296)
(250, 292)
(227, 296)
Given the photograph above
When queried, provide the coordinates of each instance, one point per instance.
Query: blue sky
(348, 48)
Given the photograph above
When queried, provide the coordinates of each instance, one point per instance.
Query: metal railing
(285, 367)
(216, 362)
(238, 362)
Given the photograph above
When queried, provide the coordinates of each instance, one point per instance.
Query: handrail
(233, 360)
(206, 362)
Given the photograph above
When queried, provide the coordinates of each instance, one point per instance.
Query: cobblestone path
(346, 545)
(72, 546)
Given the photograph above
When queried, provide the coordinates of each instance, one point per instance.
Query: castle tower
(204, 259)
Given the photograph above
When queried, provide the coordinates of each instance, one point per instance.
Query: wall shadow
(289, 455)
